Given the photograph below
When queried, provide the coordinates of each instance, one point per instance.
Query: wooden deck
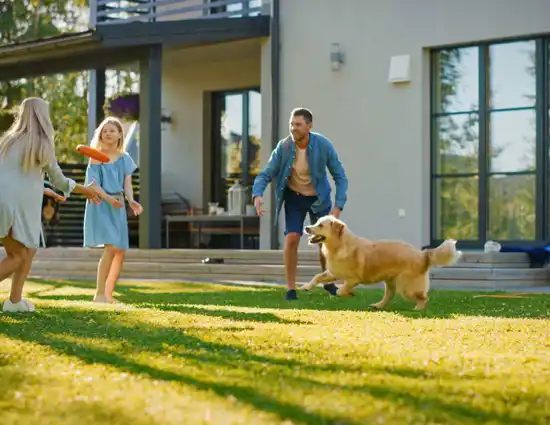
(476, 270)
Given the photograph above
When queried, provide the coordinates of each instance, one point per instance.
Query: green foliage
(68, 108)
(22, 20)
(512, 201)
(6, 119)
(457, 208)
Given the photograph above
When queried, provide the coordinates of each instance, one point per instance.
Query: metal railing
(108, 12)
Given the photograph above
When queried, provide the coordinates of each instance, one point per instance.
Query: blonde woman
(106, 225)
(26, 152)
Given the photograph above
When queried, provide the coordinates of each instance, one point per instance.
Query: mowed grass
(192, 353)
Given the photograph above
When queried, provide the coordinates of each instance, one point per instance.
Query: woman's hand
(114, 201)
(54, 195)
(90, 193)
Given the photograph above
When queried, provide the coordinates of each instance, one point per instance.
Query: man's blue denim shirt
(320, 156)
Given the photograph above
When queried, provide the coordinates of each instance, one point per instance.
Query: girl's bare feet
(101, 299)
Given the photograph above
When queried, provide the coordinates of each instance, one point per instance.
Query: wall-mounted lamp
(165, 119)
(336, 57)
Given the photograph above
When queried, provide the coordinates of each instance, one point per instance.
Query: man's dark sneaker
(291, 295)
(331, 288)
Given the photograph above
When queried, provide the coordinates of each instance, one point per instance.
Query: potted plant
(123, 106)
(126, 106)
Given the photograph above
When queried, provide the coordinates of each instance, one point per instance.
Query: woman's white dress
(21, 197)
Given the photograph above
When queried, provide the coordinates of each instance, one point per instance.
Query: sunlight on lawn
(194, 353)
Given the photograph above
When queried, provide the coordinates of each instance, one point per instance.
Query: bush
(6, 119)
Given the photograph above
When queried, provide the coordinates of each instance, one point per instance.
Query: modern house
(439, 110)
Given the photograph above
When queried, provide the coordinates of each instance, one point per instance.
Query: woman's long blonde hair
(32, 129)
(96, 139)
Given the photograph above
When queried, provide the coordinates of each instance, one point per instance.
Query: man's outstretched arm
(266, 176)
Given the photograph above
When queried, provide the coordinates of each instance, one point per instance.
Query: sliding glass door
(236, 118)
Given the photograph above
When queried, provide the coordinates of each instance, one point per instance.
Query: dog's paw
(376, 306)
(344, 294)
(305, 288)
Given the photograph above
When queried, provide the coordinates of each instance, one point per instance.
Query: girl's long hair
(33, 130)
(96, 139)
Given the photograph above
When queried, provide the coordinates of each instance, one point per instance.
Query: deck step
(310, 256)
(476, 270)
(474, 278)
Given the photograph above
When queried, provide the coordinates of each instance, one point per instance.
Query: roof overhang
(109, 45)
(187, 33)
(50, 46)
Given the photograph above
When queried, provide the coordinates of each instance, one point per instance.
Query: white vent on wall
(400, 69)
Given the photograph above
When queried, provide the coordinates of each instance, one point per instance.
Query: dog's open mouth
(316, 239)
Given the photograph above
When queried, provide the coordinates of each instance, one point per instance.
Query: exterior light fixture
(336, 57)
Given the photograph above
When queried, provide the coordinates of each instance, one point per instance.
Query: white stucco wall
(187, 75)
(381, 130)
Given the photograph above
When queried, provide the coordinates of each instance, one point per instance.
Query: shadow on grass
(14, 400)
(54, 325)
(233, 315)
(436, 408)
(61, 329)
(97, 412)
(442, 304)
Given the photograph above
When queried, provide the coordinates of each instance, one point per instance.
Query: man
(298, 165)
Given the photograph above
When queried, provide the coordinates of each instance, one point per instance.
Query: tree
(21, 20)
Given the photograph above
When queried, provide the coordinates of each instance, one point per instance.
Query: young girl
(106, 224)
(26, 152)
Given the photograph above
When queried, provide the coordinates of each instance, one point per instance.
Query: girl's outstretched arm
(129, 194)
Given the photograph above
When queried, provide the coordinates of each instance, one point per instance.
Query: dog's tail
(444, 255)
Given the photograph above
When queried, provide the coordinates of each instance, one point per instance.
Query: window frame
(542, 161)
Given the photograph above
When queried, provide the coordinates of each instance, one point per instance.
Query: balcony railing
(105, 12)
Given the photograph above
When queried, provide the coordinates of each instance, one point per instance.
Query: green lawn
(180, 353)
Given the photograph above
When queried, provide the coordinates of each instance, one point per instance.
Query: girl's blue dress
(103, 223)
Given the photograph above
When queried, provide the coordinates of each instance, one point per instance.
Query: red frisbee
(92, 153)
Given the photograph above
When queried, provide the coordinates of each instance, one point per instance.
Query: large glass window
(456, 144)
(237, 117)
(486, 132)
(511, 141)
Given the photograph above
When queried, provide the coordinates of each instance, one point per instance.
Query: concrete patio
(475, 271)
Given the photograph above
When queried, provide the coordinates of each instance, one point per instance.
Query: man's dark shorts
(297, 207)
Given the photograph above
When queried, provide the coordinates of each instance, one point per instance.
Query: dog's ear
(338, 228)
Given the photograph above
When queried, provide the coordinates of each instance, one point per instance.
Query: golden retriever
(356, 260)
